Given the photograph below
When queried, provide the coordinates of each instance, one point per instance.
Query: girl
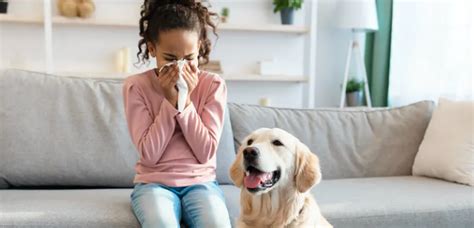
(175, 173)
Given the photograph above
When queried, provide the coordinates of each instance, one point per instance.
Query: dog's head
(272, 158)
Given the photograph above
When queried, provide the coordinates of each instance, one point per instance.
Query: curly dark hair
(165, 15)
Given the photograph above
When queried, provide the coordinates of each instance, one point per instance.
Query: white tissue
(181, 83)
(182, 86)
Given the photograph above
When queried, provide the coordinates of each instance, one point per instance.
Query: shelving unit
(305, 34)
(58, 20)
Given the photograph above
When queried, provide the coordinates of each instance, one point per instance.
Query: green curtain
(377, 54)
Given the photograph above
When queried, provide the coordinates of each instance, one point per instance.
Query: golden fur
(288, 203)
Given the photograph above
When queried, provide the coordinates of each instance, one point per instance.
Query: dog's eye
(250, 141)
(277, 142)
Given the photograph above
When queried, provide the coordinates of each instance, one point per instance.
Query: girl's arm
(203, 132)
(150, 135)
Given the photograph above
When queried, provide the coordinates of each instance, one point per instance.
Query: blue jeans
(200, 205)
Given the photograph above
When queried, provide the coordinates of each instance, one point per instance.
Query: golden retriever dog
(275, 172)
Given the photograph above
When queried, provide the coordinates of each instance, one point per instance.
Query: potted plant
(224, 14)
(354, 89)
(286, 9)
(3, 6)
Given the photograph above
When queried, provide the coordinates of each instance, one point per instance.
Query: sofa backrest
(67, 131)
(350, 143)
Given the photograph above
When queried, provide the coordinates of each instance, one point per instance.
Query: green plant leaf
(225, 12)
(281, 4)
(354, 85)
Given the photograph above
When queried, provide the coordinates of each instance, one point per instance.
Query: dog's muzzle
(256, 180)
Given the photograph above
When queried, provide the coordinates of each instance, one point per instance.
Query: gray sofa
(66, 158)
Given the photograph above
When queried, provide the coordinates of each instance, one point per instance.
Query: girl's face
(174, 45)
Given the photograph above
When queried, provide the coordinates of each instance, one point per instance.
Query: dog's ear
(307, 171)
(236, 172)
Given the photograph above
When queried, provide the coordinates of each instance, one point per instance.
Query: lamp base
(354, 47)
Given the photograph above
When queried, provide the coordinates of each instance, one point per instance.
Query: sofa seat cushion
(404, 201)
(64, 208)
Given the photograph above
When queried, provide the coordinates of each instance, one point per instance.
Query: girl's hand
(190, 75)
(167, 79)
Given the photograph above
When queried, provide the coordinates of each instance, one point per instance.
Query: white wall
(81, 48)
(22, 47)
(332, 48)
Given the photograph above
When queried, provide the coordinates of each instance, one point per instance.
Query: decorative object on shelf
(268, 67)
(67, 8)
(224, 14)
(354, 89)
(360, 16)
(278, 66)
(286, 9)
(122, 61)
(3, 6)
(213, 66)
(76, 8)
(264, 101)
(86, 8)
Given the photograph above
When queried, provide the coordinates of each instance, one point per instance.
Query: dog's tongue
(253, 180)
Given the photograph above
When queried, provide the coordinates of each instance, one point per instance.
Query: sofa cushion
(405, 201)
(64, 208)
(63, 131)
(67, 131)
(350, 143)
(447, 150)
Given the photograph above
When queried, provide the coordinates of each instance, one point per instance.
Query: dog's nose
(251, 153)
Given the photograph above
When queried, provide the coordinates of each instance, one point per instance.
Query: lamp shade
(360, 15)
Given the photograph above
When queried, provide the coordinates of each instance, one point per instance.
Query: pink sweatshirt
(175, 148)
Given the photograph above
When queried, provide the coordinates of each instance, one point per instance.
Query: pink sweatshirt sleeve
(149, 135)
(202, 132)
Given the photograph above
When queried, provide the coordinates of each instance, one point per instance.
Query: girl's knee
(156, 207)
(213, 219)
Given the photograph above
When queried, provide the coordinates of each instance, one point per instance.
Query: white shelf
(264, 28)
(58, 20)
(111, 75)
(93, 22)
(265, 78)
(20, 19)
(250, 78)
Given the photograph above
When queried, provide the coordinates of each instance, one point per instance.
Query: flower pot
(3, 7)
(224, 19)
(354, 98)
(287, 16)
